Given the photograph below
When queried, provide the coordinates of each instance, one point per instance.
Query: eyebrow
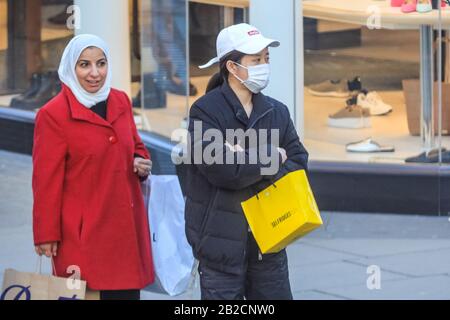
(258, 55)
(83, 60)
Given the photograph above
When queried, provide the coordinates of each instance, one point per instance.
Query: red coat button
(112, 139)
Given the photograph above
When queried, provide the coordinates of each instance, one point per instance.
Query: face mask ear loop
(240, 65)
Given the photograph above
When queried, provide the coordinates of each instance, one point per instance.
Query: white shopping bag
(172, 255)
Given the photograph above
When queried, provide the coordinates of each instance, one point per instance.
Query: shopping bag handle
(273, 184)
(39, 265)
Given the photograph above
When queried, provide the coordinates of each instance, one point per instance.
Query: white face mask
(258, 77)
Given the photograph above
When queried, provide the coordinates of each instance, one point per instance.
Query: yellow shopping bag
(283, 212)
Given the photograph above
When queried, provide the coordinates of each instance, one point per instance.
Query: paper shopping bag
(283, 212)
(35, 286)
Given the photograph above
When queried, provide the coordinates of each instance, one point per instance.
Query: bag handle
(39, 265)
(272, 184)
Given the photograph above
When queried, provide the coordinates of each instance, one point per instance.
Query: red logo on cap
(253, 33)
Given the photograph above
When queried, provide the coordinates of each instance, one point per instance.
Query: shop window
(176, 37)
(363, 90)
(377, 92)
(33, 35)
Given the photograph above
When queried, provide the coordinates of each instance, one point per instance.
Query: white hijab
(68, 63)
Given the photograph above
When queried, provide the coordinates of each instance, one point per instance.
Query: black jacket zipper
(259, 118)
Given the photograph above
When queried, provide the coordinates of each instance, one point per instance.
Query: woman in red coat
(88, 160)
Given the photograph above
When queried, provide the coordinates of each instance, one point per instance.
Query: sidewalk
(412, 252)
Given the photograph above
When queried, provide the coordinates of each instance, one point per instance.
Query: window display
(392, 113)
(367, 146)
(28, 64)
(171, 79)
(43, 87)
(341, 88)
(365, 86)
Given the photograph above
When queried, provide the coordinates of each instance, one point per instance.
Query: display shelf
(360, 11)
(225, 3)
(328, 144)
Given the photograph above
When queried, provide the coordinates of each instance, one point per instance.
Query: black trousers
(120, 295)
(266, 277)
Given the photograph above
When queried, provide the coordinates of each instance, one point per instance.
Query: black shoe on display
(354, 99)
(355, 84)
(431, 156)
(31, 91)
(50, 86)
(445, 157)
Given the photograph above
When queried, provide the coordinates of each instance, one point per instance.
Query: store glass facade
(369, 70)
(385, 60)
(176, 37)
(363, 65)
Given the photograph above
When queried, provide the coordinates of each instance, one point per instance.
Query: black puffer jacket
(216, 227)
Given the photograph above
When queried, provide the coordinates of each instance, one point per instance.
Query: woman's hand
(49, 249)
(283, 154)
(142, 167)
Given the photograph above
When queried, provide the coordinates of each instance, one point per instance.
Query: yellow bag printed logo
(283, 212)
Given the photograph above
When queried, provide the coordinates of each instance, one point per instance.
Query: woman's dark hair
(220, 77)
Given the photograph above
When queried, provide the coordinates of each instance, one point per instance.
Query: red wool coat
(86, 195)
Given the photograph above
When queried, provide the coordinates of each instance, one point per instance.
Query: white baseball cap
(240, 37)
